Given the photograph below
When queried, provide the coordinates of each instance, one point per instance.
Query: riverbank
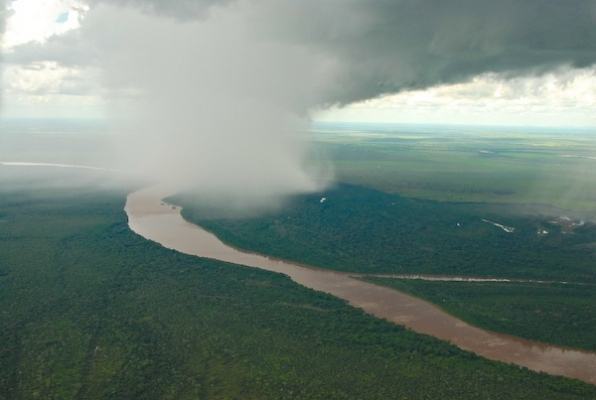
(162, 223)
(92, 310)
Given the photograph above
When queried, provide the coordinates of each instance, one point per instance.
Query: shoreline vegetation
(363, 230)
(159, 221)
(355, 225)
(551, 313)
(92, 310)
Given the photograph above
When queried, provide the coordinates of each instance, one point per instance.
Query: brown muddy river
(162, 223)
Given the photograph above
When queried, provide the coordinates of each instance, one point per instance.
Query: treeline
(561, 314)
(89, 310)
(363, 230)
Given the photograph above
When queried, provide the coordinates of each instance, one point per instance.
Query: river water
(151, 218)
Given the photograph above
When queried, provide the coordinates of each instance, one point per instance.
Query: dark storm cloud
(395, 45)
(215, 91)
(386, 46)
(224, 86)
(183, 9)
(3, 13)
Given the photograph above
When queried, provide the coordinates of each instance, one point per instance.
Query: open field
(495, 165)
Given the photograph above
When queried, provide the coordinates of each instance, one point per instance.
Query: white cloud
(39, 78)
(37, 20)
(49, 77)
(48, 89)
(566, 96)
(45, 88)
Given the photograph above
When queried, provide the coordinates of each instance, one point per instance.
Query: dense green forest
(363, 230)
(551, 313)
(353, 228)
(92, 311)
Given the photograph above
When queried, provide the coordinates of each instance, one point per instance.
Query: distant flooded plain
(157, 221)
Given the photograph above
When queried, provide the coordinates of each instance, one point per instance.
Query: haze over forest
(284, 199)
(195, 91)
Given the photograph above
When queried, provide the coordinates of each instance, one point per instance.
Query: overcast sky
(46, 74)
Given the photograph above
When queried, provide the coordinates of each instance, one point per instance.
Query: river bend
(157, 221)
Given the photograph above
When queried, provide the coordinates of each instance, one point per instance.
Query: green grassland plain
(479, 164)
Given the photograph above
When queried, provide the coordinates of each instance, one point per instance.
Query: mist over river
(152, 218)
